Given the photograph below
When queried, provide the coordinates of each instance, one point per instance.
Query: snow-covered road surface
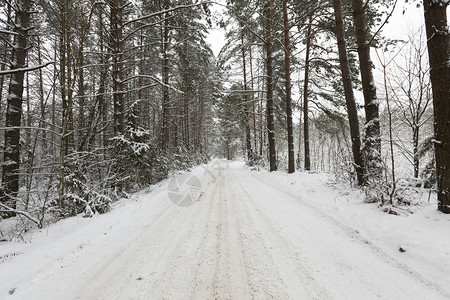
(243, 239)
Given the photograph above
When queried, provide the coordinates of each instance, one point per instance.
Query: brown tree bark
(252, 86)
(81, 103)
(117, 64)
(102, 104)
(201, 119)
(42, 101)
(438, 38)
(268, 13)
(64, 93)
(186, 95)
(305, 100)
(287, 70)
(248, 144)
(372, 140)
(4, 56)
(165, 138)
(11, 154)
(348, 93)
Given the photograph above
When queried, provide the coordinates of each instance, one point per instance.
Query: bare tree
(411, 90)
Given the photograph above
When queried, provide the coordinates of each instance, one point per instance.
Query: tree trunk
(42, 101)
(186, 95)
(201, 120)
(117, 72)
(165, 138)
(4, 56)
(287, 70)
(416, 161)
(438, 39)
(305, 100)
(102, 106)
(268, 11)
(70, 88)
(255, 146)
(372, 140)
(11, 155)
(83, 133)
(348, 92)
(248, 144)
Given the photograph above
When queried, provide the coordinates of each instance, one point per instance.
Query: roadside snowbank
(62, 242)
(423, 236)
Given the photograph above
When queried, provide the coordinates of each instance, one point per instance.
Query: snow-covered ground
(422, 236)
(249, 235)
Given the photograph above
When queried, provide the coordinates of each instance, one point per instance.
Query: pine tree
(287, 70)
(348, 92)
(372, 139)
(438, 38)
(11, 158)
(268, 42)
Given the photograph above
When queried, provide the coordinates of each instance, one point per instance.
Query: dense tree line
(99, 98)
(330, 47)
(102, 97)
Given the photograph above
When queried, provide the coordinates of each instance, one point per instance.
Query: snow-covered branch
(7, 72)
(6, 208)
(155, 79)
(175, 8)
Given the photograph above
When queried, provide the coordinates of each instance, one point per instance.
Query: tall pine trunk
(438, 38)
(62, 82)
(252, 86)
(4, 55)
(268, 12)
(372, 140)
(348, 93)
(11, 154)
(165, 138)
(248, 144)
(287, 70)
(42, 101)
(117, 57)
(305, 100)
(186, 95)
(101, 102)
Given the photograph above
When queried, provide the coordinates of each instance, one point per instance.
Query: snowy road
(243, 239)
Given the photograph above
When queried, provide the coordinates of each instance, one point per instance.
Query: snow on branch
(155, 79)
(165, 11)
(8, 32)
(19, 212)
(7, 72)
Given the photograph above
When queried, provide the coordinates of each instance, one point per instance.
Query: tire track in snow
(290, 262)
(230, 278)
(262, 274)
(350, 268)
(178, 278)
(355, 236)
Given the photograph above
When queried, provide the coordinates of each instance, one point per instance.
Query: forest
(100, 99)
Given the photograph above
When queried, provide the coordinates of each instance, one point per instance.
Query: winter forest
(100, 99)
